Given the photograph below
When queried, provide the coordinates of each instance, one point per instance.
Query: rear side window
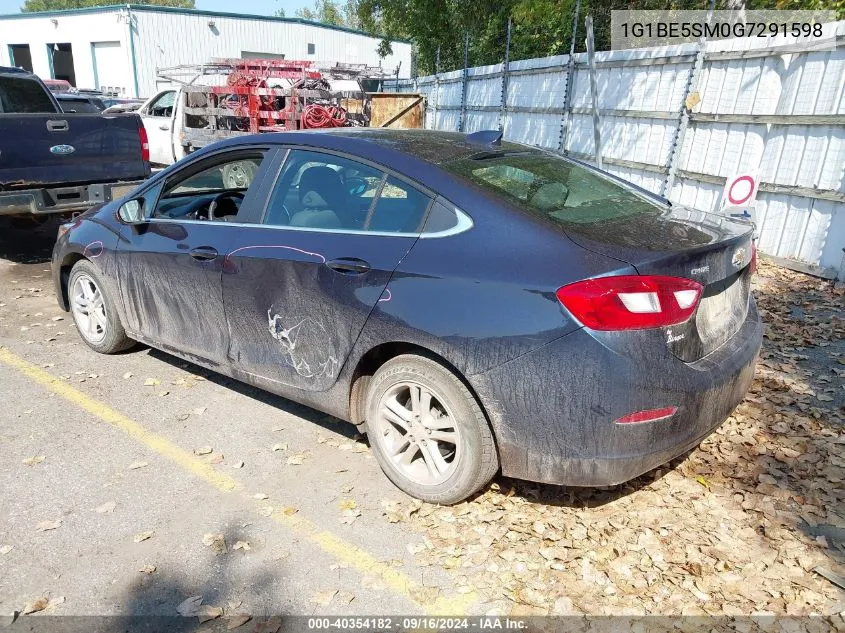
(399, 209)
(551, 187)
(328, 192)
(23, 95)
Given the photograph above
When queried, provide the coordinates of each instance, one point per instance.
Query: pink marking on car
(389, 295)
(95, 245)
(290, 248)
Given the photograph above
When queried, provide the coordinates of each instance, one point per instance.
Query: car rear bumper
(554, 409)
(62, 199)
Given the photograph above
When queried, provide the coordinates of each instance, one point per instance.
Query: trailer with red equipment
(248, 96)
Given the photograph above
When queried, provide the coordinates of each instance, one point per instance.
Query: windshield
(548, 186)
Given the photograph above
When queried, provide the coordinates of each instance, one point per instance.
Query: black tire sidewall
(472, 427)
(115, 339)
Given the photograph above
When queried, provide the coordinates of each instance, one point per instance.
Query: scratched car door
(299, 287)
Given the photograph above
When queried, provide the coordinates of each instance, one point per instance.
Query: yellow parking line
(327, 541)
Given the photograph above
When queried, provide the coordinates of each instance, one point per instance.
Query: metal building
(119, 48)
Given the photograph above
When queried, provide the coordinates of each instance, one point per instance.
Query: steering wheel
(218, 198)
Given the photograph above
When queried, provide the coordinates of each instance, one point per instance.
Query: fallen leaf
(32, 461)
(199, 410)
(127, 375)
(203, 450)
(238, 465)
(108, 506)
(137, 465)
(348, 504)
(244, 545)
(281, 446)
(188, 607)
(324, 598)
(152, 382)
(143, 536)
(235, 620)
(260, 496)
(147, 569)
(296, 460)
(216, 458)
(217, 543)
(48, 525)
(36, 605)
(206, 612)
(5, 549)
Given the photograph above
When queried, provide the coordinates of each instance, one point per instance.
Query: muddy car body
(502, 306)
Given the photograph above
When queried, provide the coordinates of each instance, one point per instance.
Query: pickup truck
(58, 162)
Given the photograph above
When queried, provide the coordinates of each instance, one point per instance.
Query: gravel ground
(753, 521)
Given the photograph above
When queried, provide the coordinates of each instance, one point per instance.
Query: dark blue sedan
(472, 305)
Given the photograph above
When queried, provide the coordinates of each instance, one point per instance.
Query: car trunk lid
(677, 241)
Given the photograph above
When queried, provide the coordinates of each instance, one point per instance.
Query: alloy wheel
(89, 309)
(418, 433)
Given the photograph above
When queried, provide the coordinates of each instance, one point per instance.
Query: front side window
(213, 192)
(163, 105)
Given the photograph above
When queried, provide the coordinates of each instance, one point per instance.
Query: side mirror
(131, 212)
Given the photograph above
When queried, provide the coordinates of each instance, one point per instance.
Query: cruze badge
(738, 258)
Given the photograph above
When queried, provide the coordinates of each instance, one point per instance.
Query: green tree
(56, 5)
(331, 12)
(539, 27)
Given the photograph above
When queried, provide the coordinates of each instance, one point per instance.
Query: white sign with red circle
(740, 191)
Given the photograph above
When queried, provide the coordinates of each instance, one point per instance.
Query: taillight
(145, 144)
(753, 256)
(631, 302)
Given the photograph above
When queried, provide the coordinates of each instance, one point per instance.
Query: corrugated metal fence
(770, 107)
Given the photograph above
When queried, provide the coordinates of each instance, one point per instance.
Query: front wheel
(93, 311)
(428, 432)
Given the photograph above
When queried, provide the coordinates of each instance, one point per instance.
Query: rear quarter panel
(485, 296)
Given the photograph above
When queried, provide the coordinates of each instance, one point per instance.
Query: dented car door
(298, 288)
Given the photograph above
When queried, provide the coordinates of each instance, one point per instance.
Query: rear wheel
(93, 311)
(428, 432)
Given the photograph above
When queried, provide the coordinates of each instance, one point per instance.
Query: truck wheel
(93, 311)
(428, 432)
(239, 175)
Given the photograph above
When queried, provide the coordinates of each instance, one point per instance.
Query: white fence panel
(768, 107)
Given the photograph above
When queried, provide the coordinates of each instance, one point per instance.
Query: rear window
(77, 105)
(23, 95)
(551, 187)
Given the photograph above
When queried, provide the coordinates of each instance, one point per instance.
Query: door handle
(203, 253)
(163, 127)
(348, 265)
(57, 126)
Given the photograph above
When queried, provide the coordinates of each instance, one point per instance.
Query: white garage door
(110, 67)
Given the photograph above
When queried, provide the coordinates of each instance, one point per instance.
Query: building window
(311, 49)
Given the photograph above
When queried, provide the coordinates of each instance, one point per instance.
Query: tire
(240, 174)
(454, 426)
(95, 316)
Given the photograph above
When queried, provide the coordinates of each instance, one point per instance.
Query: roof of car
(431, 146)
(11, 70)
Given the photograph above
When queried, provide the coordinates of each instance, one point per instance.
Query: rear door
(170, 266)
(40, 146)
(299, 286)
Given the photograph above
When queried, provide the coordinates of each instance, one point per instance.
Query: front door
(170, 266)
(298, 288)
(157, 118)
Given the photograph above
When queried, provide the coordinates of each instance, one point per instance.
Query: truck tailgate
(40, 150)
